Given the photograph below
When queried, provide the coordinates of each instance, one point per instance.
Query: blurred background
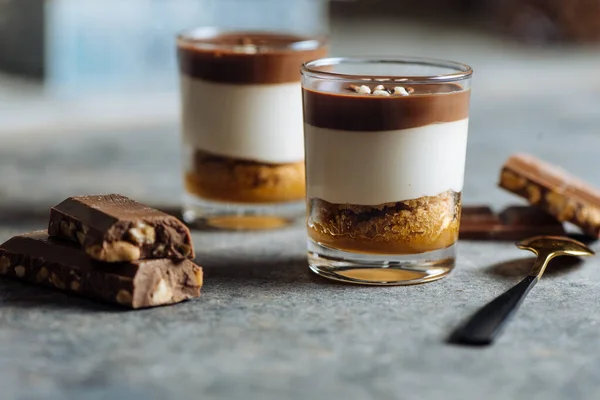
(93, 83)
(71, 64)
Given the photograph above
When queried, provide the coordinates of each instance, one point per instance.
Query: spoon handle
(487, 323)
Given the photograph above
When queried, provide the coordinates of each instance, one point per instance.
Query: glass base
(205, 214)
(380, 269)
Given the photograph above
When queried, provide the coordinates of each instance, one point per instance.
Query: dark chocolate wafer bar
(114, 228)
(36, 258)
(554, 190)
(514, 223)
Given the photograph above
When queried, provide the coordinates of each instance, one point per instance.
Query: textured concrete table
(265, 328)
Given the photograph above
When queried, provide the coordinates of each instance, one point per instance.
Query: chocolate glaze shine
(248, 57)
(343, 110)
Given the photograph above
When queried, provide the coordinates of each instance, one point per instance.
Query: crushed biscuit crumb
(407, 227)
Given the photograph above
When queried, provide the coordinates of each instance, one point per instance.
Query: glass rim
(463, 71)
(191, 36)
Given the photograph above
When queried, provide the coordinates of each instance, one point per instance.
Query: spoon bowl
(555, 245)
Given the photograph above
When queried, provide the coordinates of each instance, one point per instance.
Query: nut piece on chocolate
(36, 258)
(114, 228)
(565, 197)
(514, 223)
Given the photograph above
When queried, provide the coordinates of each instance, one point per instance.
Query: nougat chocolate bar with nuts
(562, 195)
(36, 258)
(114, 228)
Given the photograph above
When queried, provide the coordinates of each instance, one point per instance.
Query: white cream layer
(261, 122)
(369, 168)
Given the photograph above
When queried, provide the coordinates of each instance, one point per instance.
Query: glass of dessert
(242, 122)
(385, 143)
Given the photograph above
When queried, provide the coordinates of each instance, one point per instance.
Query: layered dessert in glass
(242, 125)
(385, 146)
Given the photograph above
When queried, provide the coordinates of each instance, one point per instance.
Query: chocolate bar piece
(514, 223)
(554, 190)
(36, 258)
(114, 228)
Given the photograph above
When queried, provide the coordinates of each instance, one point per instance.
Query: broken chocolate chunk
(36, 258)
(565, 197)
(514, 223)
(114, 228)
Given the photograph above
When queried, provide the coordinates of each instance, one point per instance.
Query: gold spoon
(487, 323)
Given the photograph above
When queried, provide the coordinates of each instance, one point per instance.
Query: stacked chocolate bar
(554, 195)
(109, 248)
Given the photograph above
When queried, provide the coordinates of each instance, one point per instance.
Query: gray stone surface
(265, 328)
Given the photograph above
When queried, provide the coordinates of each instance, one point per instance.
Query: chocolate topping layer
(247, 57)
(349, 111)
(36, 258)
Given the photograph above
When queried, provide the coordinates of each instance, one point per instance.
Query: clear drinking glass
(242, 113)
(385, 143)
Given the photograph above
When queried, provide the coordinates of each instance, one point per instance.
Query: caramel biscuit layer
(233, 180)
(407, 227)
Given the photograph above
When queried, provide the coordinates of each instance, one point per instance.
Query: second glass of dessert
(242, 114)
(386, 144)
